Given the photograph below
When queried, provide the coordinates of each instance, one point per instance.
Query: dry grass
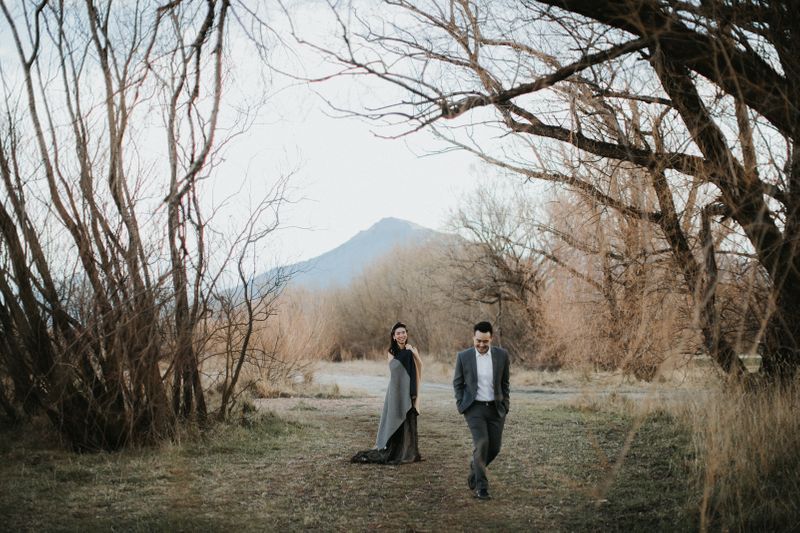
(299, 390)
(748, 458)
(678, 377)
(287, 469)
(433, 371)
(726, 460)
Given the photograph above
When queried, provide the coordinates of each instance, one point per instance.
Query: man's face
(482, 341)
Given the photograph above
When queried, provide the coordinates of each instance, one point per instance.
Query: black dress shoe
(482, 494)
(471, 481)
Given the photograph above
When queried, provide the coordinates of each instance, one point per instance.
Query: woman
(397, 432)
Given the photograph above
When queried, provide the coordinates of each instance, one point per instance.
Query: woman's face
(401, 335)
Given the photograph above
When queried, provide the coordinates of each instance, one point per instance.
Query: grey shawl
(396, 404)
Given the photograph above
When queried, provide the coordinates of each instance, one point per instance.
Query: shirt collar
(488, 352)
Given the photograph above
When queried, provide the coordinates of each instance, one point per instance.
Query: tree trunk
(717, 346)
(781, 357)
(11, 413)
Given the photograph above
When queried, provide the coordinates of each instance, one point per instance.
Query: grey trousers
(486, 426)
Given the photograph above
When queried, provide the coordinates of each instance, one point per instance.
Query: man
(482, 396)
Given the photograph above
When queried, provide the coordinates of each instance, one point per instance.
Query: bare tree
(105, 273)
(696, 100)
(501, 262)
(521, 242)
(244, 309)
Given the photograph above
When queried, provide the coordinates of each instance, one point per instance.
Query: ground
(568, 463)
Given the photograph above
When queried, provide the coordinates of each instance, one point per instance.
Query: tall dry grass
(293, 340)
(743, 450)
(283, 348)
(579, 332)
(747, 464)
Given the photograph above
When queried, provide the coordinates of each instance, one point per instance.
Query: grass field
(562, 467)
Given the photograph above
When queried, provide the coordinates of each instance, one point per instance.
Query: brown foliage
(408, 285)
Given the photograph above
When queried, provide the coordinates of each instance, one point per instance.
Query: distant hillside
(341, 265)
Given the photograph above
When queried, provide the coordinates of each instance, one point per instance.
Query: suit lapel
(473, 364)
(495, 369)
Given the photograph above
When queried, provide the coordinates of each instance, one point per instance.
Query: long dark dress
(402, 446)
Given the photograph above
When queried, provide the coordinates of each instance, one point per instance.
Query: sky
(345, 177)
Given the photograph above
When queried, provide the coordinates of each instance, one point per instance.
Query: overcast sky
(346, 178)
(350, 179)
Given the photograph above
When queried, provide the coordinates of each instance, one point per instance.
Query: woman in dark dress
(397, 440)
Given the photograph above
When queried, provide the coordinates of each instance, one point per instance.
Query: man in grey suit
(482, 396)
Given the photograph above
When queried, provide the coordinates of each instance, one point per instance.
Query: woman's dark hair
(394, 348)
(483, 327)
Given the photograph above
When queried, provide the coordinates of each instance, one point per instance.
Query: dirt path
(563, 467)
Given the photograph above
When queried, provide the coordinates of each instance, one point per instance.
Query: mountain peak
(391, 228)
(340, 266)
(395, 222)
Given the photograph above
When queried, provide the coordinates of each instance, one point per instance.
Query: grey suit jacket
(465, 380)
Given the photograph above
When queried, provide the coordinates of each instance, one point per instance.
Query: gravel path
(376, 386)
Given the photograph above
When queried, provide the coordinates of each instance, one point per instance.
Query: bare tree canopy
(112, 119)
(696, 101)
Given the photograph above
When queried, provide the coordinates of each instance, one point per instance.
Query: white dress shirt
(485, 376)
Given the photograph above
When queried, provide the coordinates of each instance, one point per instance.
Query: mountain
(341, 265)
